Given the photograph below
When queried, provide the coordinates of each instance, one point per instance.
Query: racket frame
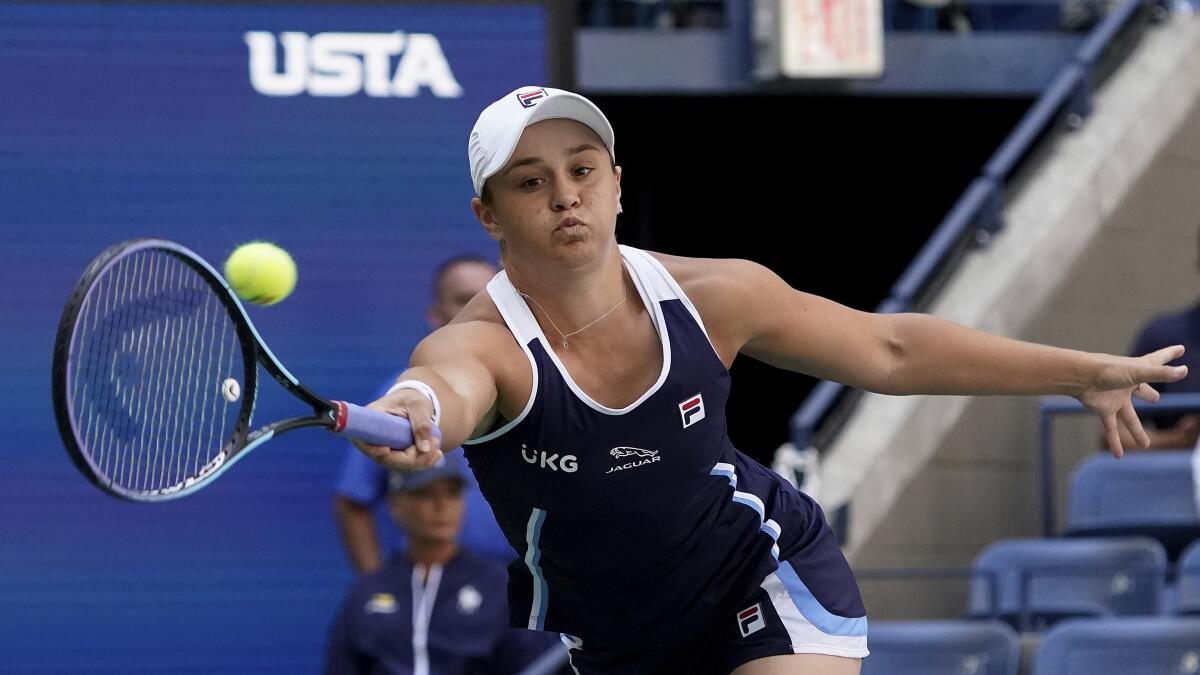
(254, 351)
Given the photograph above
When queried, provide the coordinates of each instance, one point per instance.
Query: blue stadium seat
(1148, 494)
(1032, 583)
(1125, 646)
(1188, 584)
(942, 648)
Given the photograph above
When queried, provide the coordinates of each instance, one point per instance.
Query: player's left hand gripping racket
(156, 371)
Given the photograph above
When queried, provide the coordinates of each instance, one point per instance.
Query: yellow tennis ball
(261, 272)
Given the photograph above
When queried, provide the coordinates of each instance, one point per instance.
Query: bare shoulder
(715, 280)
(470, 337)
(478, 337)
(478, 332)
(728, 294)
(478, 329)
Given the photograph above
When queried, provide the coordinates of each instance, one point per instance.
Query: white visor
(500, 125)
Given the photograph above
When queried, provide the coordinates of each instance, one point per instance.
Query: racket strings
(155, 345)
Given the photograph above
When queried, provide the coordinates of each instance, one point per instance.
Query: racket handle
(373, 426)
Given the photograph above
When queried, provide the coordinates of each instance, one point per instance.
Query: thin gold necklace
(564, 336)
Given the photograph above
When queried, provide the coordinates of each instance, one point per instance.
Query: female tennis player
(589, 385)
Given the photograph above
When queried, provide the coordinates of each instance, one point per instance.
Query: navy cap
(453, 465)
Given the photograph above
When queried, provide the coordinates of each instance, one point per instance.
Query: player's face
(458, 285)
(432, 514)
(557, 197)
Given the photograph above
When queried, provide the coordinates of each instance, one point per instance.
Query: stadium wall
(1101, 234)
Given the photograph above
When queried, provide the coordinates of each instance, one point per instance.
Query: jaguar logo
(637, 456)
(625, 451)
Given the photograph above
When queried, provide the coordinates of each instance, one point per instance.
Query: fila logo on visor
(530, 98)
(692, 410)
(750, 620)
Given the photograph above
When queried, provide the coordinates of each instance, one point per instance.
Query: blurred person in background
(433, 609)
(359, 505)
(1182, 327)
(662, 14)
(970, 16)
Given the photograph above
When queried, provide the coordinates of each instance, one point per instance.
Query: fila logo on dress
(750, 620)
(692, 410)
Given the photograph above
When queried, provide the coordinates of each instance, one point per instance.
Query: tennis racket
(156, 369)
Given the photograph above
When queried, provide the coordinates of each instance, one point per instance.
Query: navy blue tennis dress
(643, 535)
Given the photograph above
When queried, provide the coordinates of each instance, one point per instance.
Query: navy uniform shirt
(636, 527)
(455, 623)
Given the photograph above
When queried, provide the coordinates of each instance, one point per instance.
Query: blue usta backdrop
(338, 132)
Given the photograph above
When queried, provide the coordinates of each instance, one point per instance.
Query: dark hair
(443, 268)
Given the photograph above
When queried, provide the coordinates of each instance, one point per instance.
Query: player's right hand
(426, 449)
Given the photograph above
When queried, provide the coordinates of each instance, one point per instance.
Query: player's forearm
(933, 356)
(463, 403)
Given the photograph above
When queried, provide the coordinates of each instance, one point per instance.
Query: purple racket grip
(374, 427)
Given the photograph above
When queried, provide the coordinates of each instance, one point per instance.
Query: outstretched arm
(921, 354)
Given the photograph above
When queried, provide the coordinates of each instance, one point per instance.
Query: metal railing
(1053, 406)
(978, 213)
(1031, 613)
